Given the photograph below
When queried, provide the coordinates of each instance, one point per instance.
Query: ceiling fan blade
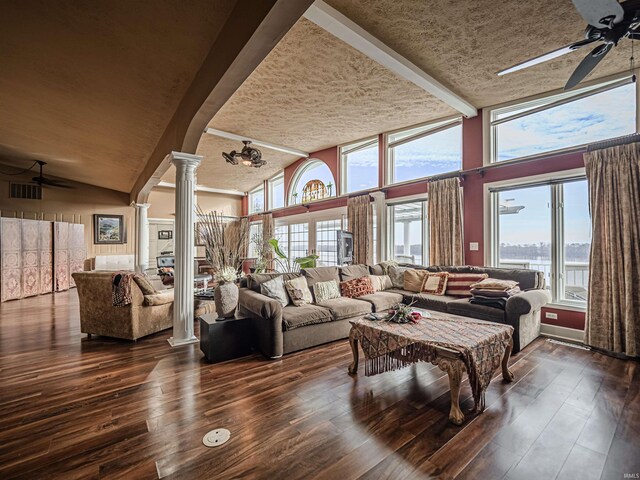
(588, 64)
(44, 181)
(594, 11)
(547, 56)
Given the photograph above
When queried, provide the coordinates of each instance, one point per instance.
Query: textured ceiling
(463, 44)
(90, 86)
(314, 91)
(215, 172)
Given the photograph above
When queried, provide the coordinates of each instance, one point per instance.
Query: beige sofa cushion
(414, 279)
(354, 271)
(294, 317)
(382, 301)
(160, 298)
(343, 307)
(381, 282)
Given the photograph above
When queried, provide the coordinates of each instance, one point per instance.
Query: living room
(337, 239)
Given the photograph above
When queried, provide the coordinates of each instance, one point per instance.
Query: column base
(178, 343)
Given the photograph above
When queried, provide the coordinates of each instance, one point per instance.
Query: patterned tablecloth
(388, 346)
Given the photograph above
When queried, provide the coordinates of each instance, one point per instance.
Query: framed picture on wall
(165, 234)
(108, 229)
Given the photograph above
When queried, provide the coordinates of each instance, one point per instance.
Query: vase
(226, 299)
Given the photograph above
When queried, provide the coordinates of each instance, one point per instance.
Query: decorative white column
(379, 204)
(186, 165)
(142, 234)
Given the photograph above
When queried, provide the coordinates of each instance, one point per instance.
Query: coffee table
(451, 342)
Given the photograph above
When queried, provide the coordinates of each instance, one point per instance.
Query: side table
(225, 339)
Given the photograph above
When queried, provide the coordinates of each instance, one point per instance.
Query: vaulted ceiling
(314, 91)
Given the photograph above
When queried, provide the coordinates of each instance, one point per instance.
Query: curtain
(613, 313)
(267, 234)
(360, 218)
(445, 222)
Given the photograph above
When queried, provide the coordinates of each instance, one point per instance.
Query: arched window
(312, 180)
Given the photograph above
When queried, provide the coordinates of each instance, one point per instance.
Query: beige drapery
(268, 228)
(613, 313)
(445, 222)
(360, 218)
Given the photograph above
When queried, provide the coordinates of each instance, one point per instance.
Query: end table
(225, 338)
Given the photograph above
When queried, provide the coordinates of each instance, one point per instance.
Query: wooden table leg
(507, 375)
(454, 369)
(353, 341)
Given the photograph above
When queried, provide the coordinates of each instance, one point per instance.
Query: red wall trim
(566, 318)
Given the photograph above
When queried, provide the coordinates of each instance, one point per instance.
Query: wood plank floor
(77, 408)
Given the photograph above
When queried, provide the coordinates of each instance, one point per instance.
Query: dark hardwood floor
(77, 408)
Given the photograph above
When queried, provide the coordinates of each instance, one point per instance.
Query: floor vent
(26, 191)
(568, 344)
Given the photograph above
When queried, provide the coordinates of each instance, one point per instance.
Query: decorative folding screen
(46, 256)
(77, 250)
(11, 259)
(61, 256)
(30, 258)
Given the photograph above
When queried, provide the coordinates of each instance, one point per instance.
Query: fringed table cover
(389, 346)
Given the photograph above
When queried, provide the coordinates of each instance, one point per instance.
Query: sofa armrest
(527, 302)
(523, 314)
(267, 315)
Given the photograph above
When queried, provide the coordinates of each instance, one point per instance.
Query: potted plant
(226, 293)
(226, 242)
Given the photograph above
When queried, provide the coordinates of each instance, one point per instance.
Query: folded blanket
(489, 302)
(496, 293)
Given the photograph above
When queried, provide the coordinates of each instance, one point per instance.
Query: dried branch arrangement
(225, 242)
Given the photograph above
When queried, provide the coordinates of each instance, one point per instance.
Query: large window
(546, 227)
(308, 175)
(424, 151)
(255, 236)
(276, 191)
(256, 200)
(327, 241)
(409, 232)
(359, 164)
(563, 121)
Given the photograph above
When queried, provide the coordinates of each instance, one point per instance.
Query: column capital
(181, 159)
(140, 205)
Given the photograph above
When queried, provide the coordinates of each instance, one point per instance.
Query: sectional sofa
(281, 330)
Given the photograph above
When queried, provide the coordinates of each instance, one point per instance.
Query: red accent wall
(566, 318)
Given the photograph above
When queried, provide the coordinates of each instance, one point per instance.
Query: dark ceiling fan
(251, 157)
(608, 22)
(43, 181)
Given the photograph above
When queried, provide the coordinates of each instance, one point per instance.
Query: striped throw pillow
(459, 284)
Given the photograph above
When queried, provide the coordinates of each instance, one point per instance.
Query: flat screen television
(345, 247)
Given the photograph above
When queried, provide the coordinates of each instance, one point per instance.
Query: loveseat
(281, 330)
(146, 314)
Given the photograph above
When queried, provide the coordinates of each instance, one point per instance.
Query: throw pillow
(414, 279)
(494, 284)
(396, 274)
(435, 283)
(274, 288)
(144, 284)
(380, 282)
(326, 291)
(298, 291)
(357, 287)
(459, 284)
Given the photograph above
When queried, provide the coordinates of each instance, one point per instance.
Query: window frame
(277, 177)
(542, 102)
(431, 128)
(250, 196)
(295, 178)
(390, 227)
(556, 181)
(346, 149)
